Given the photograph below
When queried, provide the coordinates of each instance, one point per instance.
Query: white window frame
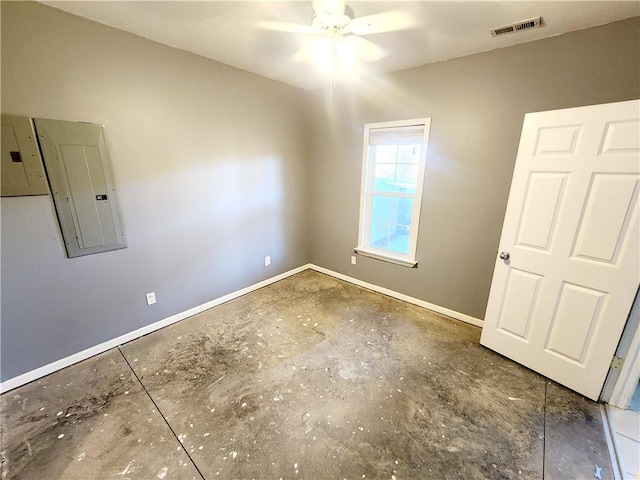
(366, 195)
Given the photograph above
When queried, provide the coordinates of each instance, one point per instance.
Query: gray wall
(477, 105)
(211, 167)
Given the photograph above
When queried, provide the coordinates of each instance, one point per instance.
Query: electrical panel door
(79, 169)
(22, 171)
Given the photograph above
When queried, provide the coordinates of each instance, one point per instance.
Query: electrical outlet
(151, 298)
(267, 261)
(353, 259)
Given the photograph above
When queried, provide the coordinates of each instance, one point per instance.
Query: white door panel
(608, 213)
(544, 193)
(559, 304)
(521, 295)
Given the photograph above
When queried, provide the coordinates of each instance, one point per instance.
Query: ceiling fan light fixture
(332, 23)
(321, 53)
(347, 55)
(333, 55)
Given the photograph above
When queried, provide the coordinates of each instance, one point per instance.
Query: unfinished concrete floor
(309, 378)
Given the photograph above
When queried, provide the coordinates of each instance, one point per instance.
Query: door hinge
(616, 362)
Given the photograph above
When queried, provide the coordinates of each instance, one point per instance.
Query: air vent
(517, 27)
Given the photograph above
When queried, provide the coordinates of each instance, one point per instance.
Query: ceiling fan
(336, 36)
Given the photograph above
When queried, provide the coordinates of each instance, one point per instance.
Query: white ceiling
(230, 31)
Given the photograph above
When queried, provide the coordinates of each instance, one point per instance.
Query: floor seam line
(544, 428)
(161, 414)
(626, 436)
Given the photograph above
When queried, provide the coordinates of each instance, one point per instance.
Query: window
(393, 163)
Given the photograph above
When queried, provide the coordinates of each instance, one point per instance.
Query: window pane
(395, 178)
(406, 178)
(395, 168)
(409, 153)
(391, 223)
(404, 209)
(381, 209)
(399, 240)
(386, 153)
(384, 179)
(379, 235)
(399, 233)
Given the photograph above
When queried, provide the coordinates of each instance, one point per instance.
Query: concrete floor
(309, 378)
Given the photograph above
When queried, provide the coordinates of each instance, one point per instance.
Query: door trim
(621, 383)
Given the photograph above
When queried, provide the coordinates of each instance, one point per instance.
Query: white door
(559, 303)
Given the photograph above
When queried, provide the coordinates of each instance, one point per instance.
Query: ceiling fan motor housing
(332, 23)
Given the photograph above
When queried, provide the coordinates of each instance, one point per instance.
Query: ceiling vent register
(517, 27)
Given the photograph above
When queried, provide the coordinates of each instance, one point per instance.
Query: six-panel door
(560, 302)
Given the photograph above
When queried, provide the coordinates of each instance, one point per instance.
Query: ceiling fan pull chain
(331, 85)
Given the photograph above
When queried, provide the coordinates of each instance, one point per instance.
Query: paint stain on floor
(309, 378)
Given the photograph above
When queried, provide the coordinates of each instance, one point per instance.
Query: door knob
(505, 256)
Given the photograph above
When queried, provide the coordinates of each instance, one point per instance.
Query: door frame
(622, 382)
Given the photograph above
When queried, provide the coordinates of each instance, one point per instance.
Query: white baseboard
(401, 296)
(127, 337)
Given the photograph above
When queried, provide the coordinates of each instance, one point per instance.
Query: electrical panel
(22, 171)
(79, 169)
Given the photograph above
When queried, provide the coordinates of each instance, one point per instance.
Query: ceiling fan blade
(383, 22)
(366, 49)
(288, 27)
(328, 7)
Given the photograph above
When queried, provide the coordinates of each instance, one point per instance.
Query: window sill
(386, 258)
